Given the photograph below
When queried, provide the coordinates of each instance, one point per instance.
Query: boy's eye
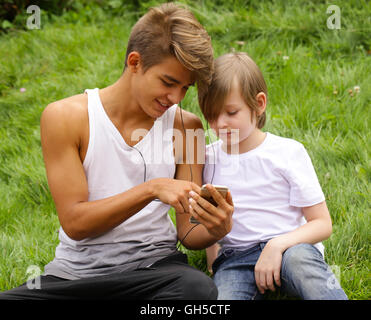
(232, 113)
(167, 84)
(170, 84)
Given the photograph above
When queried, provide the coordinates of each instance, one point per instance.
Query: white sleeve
(305, 189)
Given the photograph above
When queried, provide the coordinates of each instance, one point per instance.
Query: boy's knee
(198, 286)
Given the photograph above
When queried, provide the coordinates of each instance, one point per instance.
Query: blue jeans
(304, 274)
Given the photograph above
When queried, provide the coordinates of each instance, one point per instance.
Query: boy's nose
(176, 95)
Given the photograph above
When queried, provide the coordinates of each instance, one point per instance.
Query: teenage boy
(112, 198)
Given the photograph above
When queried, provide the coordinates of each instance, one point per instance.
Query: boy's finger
(178, 208)
(185, 204)
(206, 205)
(229, 198)
(203, 215)
(199, 218)
(215, 194)
(196, 187)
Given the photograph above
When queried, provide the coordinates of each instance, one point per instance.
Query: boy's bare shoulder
(71, 112)
(67, 118)
(189, 119)
(72, 108)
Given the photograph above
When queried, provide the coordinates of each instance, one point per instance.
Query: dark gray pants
(168, 279)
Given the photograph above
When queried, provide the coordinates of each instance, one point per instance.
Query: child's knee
(305, 274)
(301, 259)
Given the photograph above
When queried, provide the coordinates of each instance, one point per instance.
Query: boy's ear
(261, 98)
(133, 61)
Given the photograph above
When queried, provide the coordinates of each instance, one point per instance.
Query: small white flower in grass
(285, 58)
(356, 89)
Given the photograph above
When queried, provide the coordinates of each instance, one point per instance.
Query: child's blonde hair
(227, 68)
(172, 30)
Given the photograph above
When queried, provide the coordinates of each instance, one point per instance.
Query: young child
(280, 214)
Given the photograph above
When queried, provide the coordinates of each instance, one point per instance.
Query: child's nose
(221, 122)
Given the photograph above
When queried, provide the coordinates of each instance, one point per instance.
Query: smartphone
(223, 190)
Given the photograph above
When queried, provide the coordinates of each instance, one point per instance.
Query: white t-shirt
(269, 186)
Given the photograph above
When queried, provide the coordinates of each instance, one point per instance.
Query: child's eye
(232, 113)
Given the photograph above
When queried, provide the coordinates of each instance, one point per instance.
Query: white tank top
(112, 167)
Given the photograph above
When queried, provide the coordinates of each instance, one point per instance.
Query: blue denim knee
(234, 273)
(305, 274)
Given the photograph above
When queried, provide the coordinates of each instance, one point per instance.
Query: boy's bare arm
(60, 126)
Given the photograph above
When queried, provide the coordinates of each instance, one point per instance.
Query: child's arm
(211, 254)
(317, 228)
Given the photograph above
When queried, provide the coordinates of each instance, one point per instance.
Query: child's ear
(261, 98)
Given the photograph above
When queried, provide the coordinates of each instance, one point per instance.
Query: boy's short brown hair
(250, 79)
(171, 30)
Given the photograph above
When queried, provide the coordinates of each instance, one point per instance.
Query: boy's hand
(217, 220)
(268, 267)
(174, 192)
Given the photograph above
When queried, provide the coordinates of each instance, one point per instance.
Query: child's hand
(211, 254)
(217, 220)
(268, 267)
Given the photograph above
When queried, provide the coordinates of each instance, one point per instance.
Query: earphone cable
(188, 232)
(212, 147)
(144, 163)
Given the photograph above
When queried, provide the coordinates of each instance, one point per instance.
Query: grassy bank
(313, 75)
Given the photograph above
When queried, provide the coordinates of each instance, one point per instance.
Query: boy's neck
(120, 105)
(254, 140)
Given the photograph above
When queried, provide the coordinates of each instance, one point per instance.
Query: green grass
(309, 100)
